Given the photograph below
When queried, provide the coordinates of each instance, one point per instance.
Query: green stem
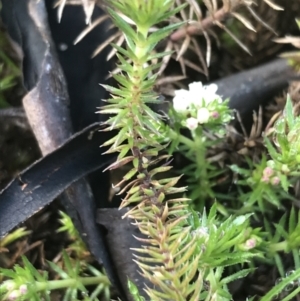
(199, 148)
(65, 283)
(280, 246)
(200, 154)
(182, 139)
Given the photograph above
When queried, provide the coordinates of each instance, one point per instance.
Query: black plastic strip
(43, 181)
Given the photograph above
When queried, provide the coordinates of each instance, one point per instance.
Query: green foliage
(201, 172)
(6, 82)
(186, 255)
(275, 291)
(221, 244)
(13, 236)
(73, 274)
(263, 186)
(270, 179)
(77, 247)
(27, 283)
(285, 239)
(168, 258)
(134, 292)
(9, 72)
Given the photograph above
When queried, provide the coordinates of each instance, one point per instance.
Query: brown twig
(199, 27)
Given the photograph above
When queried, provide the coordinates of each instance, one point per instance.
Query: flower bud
(9, 285)
(13, 295)
(23, 289)
(203, 115)
(285, 168)
(250, 243)
(268, 171)
(265, 179)
(275, 181)
(215, 115)
(192, 123)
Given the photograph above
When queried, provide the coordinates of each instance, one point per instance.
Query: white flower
(198, 95)
(203, 115)
(192, 123)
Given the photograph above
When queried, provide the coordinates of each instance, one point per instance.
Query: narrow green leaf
(123, 25)
(160, 34)
(172, 12)
(240, 274)
(127, 53)
(120, 78)
(289, 112)
(272, 151)
(292, 220)
(277, 289)
(116, 91)
(120, 163)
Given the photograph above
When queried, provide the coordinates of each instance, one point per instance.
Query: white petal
(196, 92)
(209, 93)
(196, 87)
(181, 101)
(212, 88)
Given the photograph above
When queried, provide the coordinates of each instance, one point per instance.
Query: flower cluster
(200, 105)
(14, 293)
(269, 176)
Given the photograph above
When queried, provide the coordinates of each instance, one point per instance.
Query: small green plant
(11, 237)
(285, 238)
(27, 283)
(205, 115)
(76, 247)
(269, 180)
(191, 251)
(184, 254)
(73, 273)
(272, 178)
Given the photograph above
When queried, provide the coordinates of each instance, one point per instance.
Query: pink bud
(23, 289)
(250, 243)
(192, 123)
(215, 115)
(275, 181)
(265, 179)
(268, 171)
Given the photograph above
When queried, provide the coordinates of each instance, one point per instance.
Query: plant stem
(280, 246)
(173, 135)
(65, 283)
